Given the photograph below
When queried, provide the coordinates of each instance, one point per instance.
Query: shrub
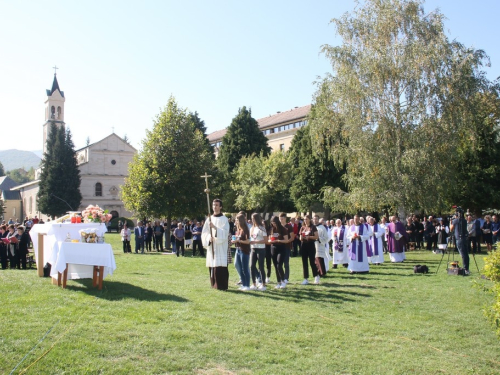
(114, 223)
(492, 272)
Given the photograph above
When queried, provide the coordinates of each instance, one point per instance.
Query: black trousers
(309, 253)
(429, 241)
(269, 258)
(296, 246)
(462, 249)
(21, 260)
(286, 262)
(148, 243)
(472, 245)
(279, 254)
(159, 242)
(3, 256)
(219, 277)
(260, 256)
(199, 245)
(126, 246)
(178, 246)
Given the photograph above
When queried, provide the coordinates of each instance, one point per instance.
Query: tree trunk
(168, 245)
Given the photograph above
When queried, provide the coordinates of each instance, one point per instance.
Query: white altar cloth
(57, 233)
(81, 257)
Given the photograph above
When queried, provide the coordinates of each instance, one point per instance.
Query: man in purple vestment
(397, 239)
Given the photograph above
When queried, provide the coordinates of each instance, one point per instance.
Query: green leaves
(164, 177)
(243, 138)
(59, 188)
(393, 108)
(261, 183)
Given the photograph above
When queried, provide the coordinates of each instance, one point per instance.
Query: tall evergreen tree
(2, 171)
(59, 188)
(478, 177)
(243, 138)
(312, 172)
(164, 177)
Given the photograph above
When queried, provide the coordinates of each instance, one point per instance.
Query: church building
(103, 166)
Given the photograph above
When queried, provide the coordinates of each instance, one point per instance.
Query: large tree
(395, 80)
(312, 171)
(59, 188)
(2, 171)
(261, 183)
(164, 177)
(478, 178)
(243, 138)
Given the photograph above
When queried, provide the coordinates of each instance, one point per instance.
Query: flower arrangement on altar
(95, 214)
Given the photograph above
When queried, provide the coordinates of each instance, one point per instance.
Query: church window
(98, 189)
(113, 161)
(58, 112)
(53, 112)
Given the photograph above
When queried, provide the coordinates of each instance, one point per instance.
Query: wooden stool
(98, 276)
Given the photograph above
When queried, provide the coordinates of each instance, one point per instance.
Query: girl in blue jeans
(242, 243)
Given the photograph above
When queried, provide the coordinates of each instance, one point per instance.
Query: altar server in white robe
(358, 236)
(215, 238)
(376, 242)
(340, 244)
(321, 256)
(327, 244)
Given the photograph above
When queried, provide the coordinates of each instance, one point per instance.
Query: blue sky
(119, 61)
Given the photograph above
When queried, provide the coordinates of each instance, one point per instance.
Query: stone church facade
(103, 166)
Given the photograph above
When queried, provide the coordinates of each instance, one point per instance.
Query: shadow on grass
(319, 294)
(117, 291)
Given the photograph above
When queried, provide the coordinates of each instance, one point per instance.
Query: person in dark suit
(148, 237)
(3, 248)
(22, 247)
(139, 237)
(429, 233)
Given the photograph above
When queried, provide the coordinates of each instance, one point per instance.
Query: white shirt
(258, 234)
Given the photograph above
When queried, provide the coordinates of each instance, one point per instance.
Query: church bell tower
(54, 109)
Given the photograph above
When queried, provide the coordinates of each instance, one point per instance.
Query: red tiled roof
(279, 118)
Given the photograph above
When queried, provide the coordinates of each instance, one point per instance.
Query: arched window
(53, 112)
(98, 189)
(58, 112)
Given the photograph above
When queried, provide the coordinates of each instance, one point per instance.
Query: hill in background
(14, 159)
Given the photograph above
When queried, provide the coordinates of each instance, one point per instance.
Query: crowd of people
(152, 236)
(15, 242)
(354, 243)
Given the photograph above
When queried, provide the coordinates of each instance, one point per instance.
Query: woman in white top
(442, 231)
(125, 233)
(258, 240)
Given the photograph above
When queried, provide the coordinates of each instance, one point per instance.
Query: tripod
(453, 251)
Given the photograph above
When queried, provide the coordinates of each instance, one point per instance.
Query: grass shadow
(319, 294)
(117, 291)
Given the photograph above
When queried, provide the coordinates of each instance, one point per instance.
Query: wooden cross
(55, 69)
(207, 190)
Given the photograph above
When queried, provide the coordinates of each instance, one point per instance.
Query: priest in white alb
(358, 236)
(215, 238)
(376, 243)
(340, 244)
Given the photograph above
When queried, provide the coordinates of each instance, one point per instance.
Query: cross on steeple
(55, 69)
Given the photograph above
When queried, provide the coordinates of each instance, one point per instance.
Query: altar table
(81, 261)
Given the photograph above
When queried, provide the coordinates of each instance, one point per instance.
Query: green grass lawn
(157, 314)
